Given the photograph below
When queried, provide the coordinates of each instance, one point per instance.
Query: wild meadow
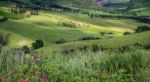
(42, 66)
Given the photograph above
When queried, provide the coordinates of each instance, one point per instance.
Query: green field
(141, 38)
(46, 27)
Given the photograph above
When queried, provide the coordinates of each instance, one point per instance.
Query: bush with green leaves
(38, 44)
(26, 49)
(142, 29)
(89, 38)
(60, 41)
(126, 33)
(2, 19)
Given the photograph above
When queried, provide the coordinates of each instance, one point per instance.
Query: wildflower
(23, 80)
(4, 78)
(44, 78)
(36, 74)
(13, 81)
(130, 80)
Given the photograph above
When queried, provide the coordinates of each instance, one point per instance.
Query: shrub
(38, 44)
(124, 48)
(142, 29)
(102, 33)
(89, 38)
(4, 39)
(61, 41)
(2, 19)
(147, 47)
(25, 49)
(95, 48)
(71, 24)
(126, 33)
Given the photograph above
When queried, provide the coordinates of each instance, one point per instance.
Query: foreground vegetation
(131, 66)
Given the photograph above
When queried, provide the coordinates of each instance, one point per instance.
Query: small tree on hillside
(38, 44)
(4, 40)
(26, 49)
(126, 33)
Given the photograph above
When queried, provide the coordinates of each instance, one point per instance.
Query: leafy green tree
(4, 39)
(26, 49)
(38, 44)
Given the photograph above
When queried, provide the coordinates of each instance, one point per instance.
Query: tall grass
(78, 67)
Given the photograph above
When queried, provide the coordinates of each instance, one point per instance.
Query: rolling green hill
(47, 26)
(48, 3)
(141, 38)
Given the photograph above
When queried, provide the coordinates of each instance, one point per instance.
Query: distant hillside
(48, 3)
(139, 3)
(139, 7)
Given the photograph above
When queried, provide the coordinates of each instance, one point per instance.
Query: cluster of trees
(71, 24)
(103, 33)
(60, 41)
(88, 38)
(138, 30)
(138, 18)
(142, 29)
(37, 44)
(138, 3)
(24, 10)
(49, 3)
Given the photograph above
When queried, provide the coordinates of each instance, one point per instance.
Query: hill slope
(141, 38)
(67, 3)
(47, 26)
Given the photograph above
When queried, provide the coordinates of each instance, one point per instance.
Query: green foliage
(142, 28)
(60, 41)
(79, 67)
(26, 49)
(2, 19)
(126, 33)
(38, 44)
(11, 15)
(89, 38)
(4, 39)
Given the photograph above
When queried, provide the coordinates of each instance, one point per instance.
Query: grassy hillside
(119, 1)
(47, 27)
(48, 3)
(141, 38)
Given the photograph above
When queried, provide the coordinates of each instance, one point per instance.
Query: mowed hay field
(47, 27)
